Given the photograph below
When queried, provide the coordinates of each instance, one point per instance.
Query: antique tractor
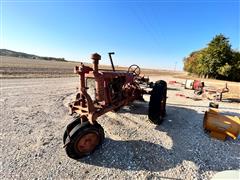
(113, 89)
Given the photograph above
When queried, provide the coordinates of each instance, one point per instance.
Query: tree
(218, 54)
(235, 67)
(190, 62)
(217, 60)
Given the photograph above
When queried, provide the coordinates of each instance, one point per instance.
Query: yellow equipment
(220, 126)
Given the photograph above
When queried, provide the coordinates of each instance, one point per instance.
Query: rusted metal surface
(212, 93)
(217, 92)
(87, 142)
(112, 89)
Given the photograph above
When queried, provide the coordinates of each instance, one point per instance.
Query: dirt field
(34, 114)
(12, 67)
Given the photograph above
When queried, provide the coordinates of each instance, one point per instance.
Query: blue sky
(154, 34)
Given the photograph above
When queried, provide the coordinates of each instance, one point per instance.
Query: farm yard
(120, 90)
(34, 113)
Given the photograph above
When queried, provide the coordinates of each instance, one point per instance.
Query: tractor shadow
(232, 100)
(189, 144)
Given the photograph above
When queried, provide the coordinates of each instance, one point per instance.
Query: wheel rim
(88, 142)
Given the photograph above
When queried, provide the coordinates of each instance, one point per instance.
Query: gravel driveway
(34, 114)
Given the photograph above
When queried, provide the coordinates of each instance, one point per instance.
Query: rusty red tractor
(113, 89)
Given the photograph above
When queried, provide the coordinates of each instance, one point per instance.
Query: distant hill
(6, 52)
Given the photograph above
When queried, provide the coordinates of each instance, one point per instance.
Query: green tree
(234, 74)
(218, 53)
(191, 62)
(217, 60)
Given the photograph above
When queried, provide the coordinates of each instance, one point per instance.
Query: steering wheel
(135, 69)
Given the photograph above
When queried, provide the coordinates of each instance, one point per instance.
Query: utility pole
(175, 66)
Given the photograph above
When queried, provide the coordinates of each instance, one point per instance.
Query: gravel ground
(34, 114)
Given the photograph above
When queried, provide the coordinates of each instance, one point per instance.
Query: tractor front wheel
(83, 139)
(157, 104)
(70, 126)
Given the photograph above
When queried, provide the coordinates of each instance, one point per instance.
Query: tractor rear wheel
(157, 104)
(83, 139)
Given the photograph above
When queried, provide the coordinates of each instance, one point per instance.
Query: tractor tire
(157, 104)
(84, 139)
(70, 126)
(116, 109)
(213, 105)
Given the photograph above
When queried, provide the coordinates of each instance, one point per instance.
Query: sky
(151, 33)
